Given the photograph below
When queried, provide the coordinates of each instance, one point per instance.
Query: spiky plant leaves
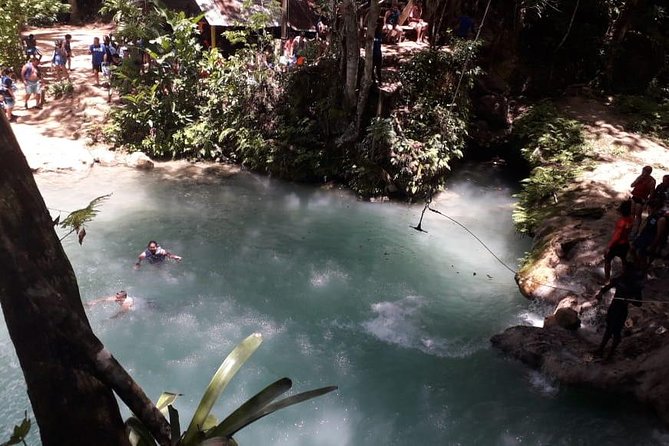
(139, 435)
(250, 408)
(56, 221)
(165, 399)
(282, 404)
(175, 426)
(220, 380)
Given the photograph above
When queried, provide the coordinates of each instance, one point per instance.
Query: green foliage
(412, 150)
(556, 150)
(135, 19)
(43, 12)
(61, 89)
(204, 428)
(76, 220)
(14, 15)
(645, 115)
(20, 432)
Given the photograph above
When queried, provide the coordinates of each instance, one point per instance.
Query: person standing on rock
(661, 192)
(653, 236)
(642, 187)
(629, 287)
(619, 244)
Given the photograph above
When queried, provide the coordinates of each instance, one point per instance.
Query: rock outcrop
(566, 270)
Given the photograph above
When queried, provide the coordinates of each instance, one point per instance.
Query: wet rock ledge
(565, 270)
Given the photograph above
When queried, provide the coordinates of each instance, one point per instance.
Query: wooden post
(213, 35)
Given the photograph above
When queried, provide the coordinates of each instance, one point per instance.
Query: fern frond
(76, 219)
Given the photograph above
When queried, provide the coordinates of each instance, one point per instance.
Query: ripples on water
(344, 292)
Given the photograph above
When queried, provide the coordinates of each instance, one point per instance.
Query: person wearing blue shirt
(98, 52)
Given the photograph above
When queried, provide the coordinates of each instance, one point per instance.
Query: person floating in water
(126, 302)
(155, 254)
(629, 288)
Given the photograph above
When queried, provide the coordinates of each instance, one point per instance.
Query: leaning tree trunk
(69, 374)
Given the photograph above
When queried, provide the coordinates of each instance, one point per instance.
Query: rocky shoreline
(566, 270)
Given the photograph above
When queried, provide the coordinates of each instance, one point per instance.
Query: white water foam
(399, 323)
(543, 384)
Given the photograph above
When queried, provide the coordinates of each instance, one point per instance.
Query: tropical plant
(20, 432)
(204, 429)
(75, 221)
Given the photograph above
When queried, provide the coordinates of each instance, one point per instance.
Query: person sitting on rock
(416, 21)
(155, 254)
(391, 21)
(642, 187)
(619, 244)
(629, 287)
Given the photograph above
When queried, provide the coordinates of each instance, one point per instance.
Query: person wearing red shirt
(619, 244)
(642, 187)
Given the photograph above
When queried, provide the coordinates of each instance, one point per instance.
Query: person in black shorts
(629, 287)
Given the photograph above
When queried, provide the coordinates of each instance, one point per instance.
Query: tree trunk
(75, 14)
(67, 369)
(368, 75)
(351, 51)
(616, 34)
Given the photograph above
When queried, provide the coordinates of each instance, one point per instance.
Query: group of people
(394, 21)
(154, 255)
(637, 244)
(102, 55)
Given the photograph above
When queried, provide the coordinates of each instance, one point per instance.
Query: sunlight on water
(344, 292)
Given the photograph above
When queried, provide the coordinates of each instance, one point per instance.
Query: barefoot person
(31, 80)
(97, 52)
(629, 288)
(155, 254)
(126, 302)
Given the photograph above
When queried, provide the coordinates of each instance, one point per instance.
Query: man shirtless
(31, 80)
(126, 302)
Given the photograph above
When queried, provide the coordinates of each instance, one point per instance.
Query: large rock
(139, 160)
(640, 367)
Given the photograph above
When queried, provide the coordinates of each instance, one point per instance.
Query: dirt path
(58, 136)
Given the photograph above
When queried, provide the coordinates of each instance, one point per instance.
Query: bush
(411, 151)
(556, 150)
(645, 115)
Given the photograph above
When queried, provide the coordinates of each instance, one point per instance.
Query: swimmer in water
(155, 254)
(126, 302)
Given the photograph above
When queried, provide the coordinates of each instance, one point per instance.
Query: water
(344, 293)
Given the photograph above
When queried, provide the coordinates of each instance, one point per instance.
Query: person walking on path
(31, 80)
(7, 88)
(98, 53)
